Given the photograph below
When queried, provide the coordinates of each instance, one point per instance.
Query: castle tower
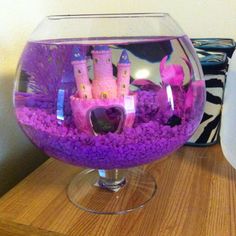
(103, 85)
(123, 75)
(81, 74)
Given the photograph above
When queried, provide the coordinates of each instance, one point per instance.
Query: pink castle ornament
(123, 75)
(81, 74)
(104, 85)
(110, 107)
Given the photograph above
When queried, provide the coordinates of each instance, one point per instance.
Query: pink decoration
(104, 85)
(81, 78)
(96, 108)
(171, 74)
(104, 89)
(82, 107)
(123, 79)
(123, 75)
(194, 91)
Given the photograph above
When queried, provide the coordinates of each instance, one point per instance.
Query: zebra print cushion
(214, 67)
(208, 131)
(225, 45)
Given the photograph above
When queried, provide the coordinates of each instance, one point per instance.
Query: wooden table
(196, 196)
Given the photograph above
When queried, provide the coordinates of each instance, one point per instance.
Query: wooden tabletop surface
(196, 196)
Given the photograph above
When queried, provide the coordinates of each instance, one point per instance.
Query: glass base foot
(133, 191)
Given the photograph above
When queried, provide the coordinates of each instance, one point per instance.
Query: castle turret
(123, 75)
(103, 85)
(81, 74)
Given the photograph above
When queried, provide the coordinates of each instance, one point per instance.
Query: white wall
(199, 18)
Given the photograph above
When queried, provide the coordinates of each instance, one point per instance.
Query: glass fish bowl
(109, 93)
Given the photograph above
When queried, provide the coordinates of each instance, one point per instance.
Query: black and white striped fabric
(225, 45)
(214, 67)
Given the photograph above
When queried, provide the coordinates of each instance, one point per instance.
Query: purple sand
(150, 138)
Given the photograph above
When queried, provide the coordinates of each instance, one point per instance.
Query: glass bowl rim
(107, 15)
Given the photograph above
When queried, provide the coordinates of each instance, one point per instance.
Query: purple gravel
(150, 139)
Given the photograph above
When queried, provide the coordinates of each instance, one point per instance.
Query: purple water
(159, 127)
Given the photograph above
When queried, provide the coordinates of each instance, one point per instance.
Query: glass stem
(112, 180)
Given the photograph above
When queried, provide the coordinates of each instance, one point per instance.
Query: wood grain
(196, 197)
(8, 228)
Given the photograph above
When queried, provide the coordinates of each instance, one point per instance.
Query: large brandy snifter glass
(109, 92)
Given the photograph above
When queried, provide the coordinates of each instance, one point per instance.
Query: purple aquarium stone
(149, 140)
